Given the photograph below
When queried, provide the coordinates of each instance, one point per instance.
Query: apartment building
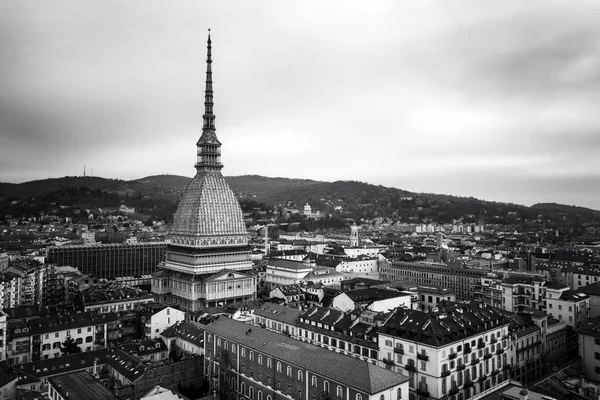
(461, 280)
(41, 338)
(457, 354)
(569, 306)
(258, 364)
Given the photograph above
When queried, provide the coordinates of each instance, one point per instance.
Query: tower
(207, 245)
(354, 241)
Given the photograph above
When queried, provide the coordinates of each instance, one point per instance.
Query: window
(251, 393)
(326, 386)
(251, 355)
(209, 338)
(260, 359)
(259, 395)
(56, 334)
(399, 394)
(243, 388)
(382, 397)
(278, 366)
(233, 348)
(314, 381)
(243, 352)
(339, 392)
(219, 342)
(289, 371)
(79, 329)
(300, 375)
(597, 356)
(269, 362)
(358, 396)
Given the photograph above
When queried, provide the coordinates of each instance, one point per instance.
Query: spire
(208, 146)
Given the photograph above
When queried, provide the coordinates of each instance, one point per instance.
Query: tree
(69, 346)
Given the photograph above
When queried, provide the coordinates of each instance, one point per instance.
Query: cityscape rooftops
(67, 363)
(278, 312)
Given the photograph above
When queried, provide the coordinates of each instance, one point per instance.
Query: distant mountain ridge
(362, 199)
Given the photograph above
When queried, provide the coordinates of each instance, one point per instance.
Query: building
(263, 365)
(21, 283)
(207, 249)
(41, 338)
(354, 239)
(350, 334)
(277, 318)
(374, 299)
(157, 317)
(184, 337)
(589, 351)
(78, 385)
(109, 260)
(457, 353)
(285, 272)
(593, 292)
(568, 305)
(113, 297)
(461, 280)
(3, 332)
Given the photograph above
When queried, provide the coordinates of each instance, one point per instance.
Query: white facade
(163, 319)
(440, 370)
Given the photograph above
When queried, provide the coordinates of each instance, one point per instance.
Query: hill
(158, 196)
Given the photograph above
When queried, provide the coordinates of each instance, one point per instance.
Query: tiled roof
(593, 289)
(68, 363)
(363, 376)
(6, 373)
(439, 329)
(81, 385)
(209, 210)
(185, 331)
(278, 312)
(127, 365)
(60, 322)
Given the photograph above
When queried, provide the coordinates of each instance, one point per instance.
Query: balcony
(398, 350)
(460, 367)
(495, 372)
(422, 391)
(452, 356)
(445, 372)
(474, 361)
(467, 349)
(493, 340)
(422, 357)
(481, 344)
(499, 351)
(482, 379)
(487, 356)
(388, 361)
(410, 367)
(468, 384)
(453, 391)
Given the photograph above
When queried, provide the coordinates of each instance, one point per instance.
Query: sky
(498, 100)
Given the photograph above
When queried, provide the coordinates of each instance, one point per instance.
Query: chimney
(523, 394)
(95, 367)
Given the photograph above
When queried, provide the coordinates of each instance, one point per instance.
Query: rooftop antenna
(83, 169)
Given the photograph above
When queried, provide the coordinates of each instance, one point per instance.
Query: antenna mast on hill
(83, 169)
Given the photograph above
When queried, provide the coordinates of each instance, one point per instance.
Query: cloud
(416, 95)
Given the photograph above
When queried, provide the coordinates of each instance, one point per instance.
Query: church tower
(207, 245)
(354, 241)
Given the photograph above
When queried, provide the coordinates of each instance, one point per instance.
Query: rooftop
(80, 385)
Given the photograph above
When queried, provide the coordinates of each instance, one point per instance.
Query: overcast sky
(494, 99)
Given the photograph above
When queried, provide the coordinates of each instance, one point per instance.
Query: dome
(208, 214)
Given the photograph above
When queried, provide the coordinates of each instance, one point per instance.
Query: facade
(577, 276)
(461, 280)
(277, 318)
(157, 318)
(593, 292)
(286, 272)
(262, 365)
(113, 297)
(589, 350)
(568, 305)
(184, 337)
(21, 283)
(456, 354)
(109, 260)
(208, 242)
(3, 332)
(431, 296)
(41, 338)
(340, 332)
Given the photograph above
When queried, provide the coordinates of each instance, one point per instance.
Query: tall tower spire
(208, 146)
